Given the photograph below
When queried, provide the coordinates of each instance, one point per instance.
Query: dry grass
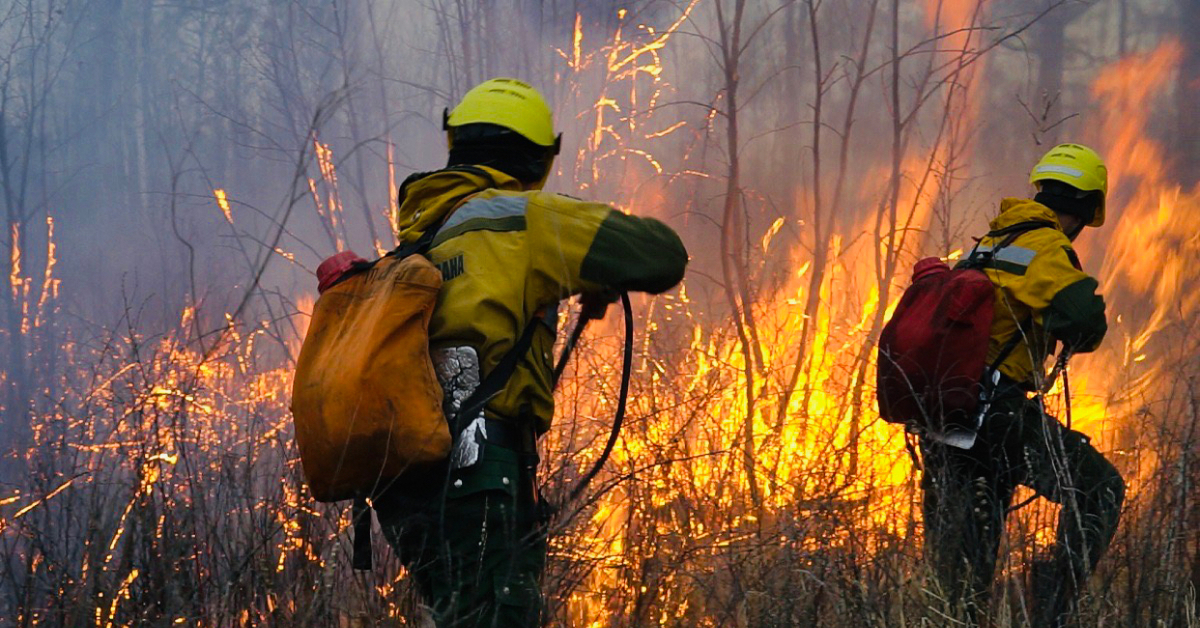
(162, 489)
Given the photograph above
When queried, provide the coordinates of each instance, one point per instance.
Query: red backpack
(933, 352)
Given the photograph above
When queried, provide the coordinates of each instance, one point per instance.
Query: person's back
(1043, 298)
(508, 253)
(1040, 287)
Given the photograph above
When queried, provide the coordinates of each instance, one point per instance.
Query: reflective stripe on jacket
(508, 255)
(1039, 274)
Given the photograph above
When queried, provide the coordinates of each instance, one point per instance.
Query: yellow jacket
(508, 256)
(1038, 279)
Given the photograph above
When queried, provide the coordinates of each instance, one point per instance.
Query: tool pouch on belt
(366, 401)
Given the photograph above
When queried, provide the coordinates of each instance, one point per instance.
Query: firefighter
(1043, 299)
(473, 538)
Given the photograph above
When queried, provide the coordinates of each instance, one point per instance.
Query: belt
(517, 436)
(1008, 387)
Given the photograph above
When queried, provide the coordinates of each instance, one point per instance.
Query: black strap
(619, 417)
(495, 380)
(422, 244)
(981, 260)
(1020, 227)
(510, 435)
(1011, 344)
(360, 517)
(488, 388)
(419, 246)
(498, 378)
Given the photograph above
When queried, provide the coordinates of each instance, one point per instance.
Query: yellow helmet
(509, 103)
(1077, 166)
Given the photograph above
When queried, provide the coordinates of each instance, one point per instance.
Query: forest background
(172, 172)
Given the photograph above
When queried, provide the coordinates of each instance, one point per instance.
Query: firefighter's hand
(595, 304)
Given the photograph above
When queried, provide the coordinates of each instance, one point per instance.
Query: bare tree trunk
(347, 48)
(733, 257)
(822, 226)
(16, 142)
(1187, 94)
(1049, 42)
(823, 217)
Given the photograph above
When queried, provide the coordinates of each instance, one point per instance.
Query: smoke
(135, 113)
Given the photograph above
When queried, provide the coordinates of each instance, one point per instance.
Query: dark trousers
(968, 494)
(473, 544)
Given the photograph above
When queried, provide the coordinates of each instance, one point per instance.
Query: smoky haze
(122, 118)
(807, 152)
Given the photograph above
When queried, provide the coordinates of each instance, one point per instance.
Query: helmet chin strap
(1081, 208)
(1074, 233)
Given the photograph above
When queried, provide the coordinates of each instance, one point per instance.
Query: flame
(953, 19)
(393, 215)
(1147, 265)
(14, 278)
(223, 203)
(576, 42)
(50, 283)
(122, 594)
(1150, 252)
(24, 510)
(329, 206)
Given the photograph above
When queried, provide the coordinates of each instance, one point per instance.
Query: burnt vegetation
(171, 173)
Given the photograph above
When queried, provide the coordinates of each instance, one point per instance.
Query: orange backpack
(366, 400)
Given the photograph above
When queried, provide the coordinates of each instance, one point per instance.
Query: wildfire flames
(704, 476)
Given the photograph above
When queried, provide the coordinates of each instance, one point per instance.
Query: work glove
(595, 304)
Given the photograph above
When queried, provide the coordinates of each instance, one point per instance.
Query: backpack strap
(491, 385)
(503, 371)
(422, 244)
(495, 380)
(360, 520)
(1020, 227)
(981, 260)
(1009, 346)
(978, 259)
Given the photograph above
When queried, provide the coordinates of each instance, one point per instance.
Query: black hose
(626, 371)
(1066, 356)
(1067, 394)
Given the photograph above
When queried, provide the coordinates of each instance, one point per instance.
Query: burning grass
(162, 488)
